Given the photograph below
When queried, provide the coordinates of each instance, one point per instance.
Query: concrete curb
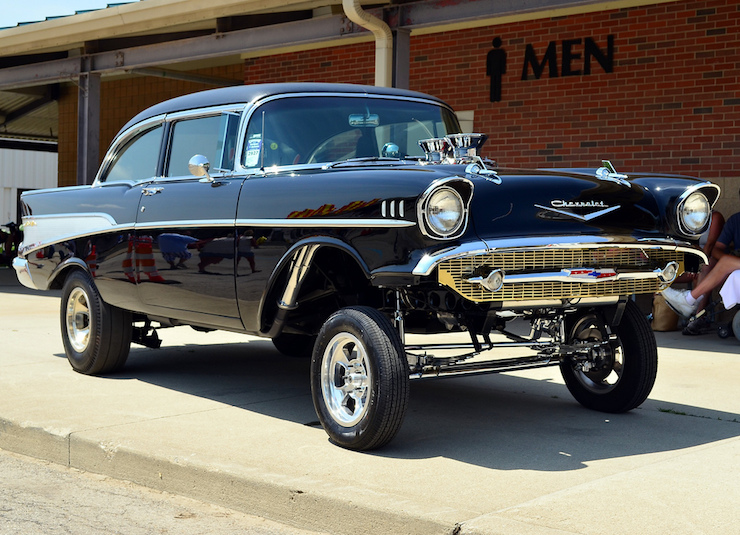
(283, 501)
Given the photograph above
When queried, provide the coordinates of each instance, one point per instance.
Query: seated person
(723, 261)
(707, 242)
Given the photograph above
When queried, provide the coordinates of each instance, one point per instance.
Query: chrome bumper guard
(23, 272)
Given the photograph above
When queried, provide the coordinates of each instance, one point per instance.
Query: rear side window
(213, 137)
(137, 159)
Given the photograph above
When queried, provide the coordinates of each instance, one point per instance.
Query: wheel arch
(294, 275)
(63, 270)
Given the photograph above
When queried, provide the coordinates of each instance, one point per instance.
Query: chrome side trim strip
(81, 219)
(29, 247)
(290, 223)
(42, 231)
(189, 223)
(325, 223)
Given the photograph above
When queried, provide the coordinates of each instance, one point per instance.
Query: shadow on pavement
(708, 342)
(498, 421)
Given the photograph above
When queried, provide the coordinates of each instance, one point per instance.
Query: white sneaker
(676, 299)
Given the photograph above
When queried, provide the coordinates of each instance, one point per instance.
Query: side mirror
(199, 166)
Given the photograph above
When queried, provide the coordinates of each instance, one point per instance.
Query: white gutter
(383, 40)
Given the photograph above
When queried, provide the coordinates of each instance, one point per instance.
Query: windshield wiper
(351, 161)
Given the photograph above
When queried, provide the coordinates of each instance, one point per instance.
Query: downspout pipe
(383, 40)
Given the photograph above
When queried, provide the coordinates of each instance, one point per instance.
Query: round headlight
(445, 211)
(694, 213)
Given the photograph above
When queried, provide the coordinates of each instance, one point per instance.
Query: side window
(214, 137)
(282, 128)
(137, 159)
(227, 142)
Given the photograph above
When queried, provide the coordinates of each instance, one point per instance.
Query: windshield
(305, 130)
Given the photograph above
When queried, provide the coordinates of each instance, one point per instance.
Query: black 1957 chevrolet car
(335, 219)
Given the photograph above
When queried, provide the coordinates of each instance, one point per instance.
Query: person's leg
(685, 302)
(706, 298)
(717, 275)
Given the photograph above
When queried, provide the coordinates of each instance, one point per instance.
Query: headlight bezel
(462, 190)
(684, 215)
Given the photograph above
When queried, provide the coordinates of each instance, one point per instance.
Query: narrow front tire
(359, 378)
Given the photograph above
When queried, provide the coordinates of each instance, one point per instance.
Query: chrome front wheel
(346, 379)
(359, 378)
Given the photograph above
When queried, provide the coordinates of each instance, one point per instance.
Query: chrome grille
(454, 272)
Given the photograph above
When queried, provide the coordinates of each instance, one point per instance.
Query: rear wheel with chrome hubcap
(96, 335)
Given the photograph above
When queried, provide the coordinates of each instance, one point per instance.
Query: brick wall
(353, 64)
(671, 104)
(67, 149)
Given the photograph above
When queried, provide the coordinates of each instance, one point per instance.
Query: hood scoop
(460, 149)
(455, 148)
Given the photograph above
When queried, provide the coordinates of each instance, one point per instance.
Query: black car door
(184, 246)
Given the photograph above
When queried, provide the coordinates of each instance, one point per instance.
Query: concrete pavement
(224, 418)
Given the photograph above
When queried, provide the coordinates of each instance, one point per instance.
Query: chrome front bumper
(559, 272)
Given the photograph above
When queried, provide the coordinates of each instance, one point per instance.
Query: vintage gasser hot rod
(335, 219)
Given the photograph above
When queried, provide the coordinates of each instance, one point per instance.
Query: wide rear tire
(96, 335)
(359, 378)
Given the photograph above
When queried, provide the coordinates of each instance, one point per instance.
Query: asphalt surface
(42, 498)
(224, 418)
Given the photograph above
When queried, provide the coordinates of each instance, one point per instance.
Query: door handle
(151, 191)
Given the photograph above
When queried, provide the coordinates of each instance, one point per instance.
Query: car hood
(510, 204)
(576, 202)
